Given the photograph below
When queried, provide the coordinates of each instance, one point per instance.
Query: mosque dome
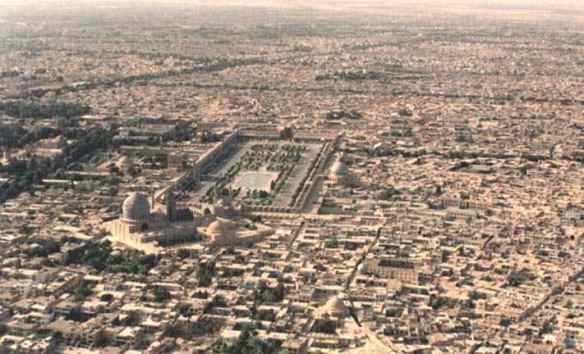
(124, 162)
(334, 307)
(136, 207)
(340, 169)
(221, 227)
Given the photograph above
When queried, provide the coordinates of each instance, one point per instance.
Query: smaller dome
(124, 162)
(221, 227)
(334, 307)
(136, 207)
(339, 169)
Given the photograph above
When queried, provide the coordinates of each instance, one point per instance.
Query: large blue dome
(136, 207)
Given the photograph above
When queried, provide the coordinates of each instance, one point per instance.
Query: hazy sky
(517, 10)
(539, 4)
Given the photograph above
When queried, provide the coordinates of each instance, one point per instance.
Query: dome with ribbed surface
(136, 207)
(221, 227)
(334, 307)
(339, 169)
